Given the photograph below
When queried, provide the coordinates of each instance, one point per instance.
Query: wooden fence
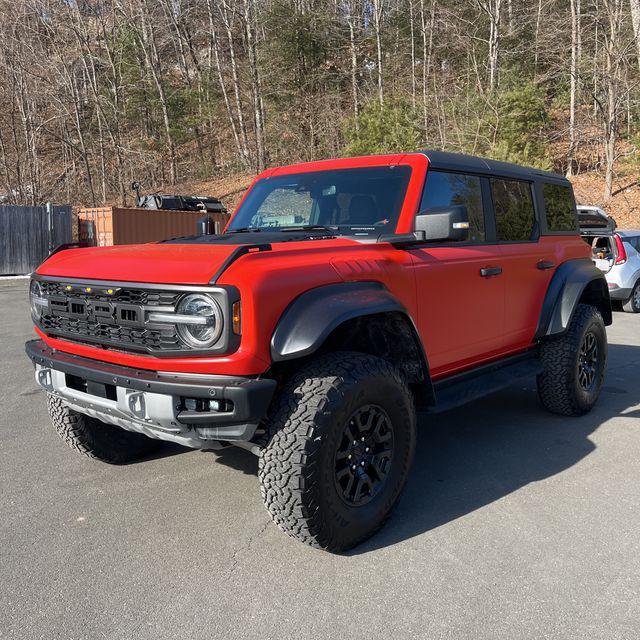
(29, 234)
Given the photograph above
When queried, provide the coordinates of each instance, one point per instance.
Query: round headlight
(201, 324)
(37, 300)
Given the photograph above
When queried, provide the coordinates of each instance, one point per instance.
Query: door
(528, 260)
(460, 291)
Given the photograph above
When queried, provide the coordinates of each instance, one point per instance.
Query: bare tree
(574, 71)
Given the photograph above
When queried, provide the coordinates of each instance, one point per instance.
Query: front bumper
(192, 410)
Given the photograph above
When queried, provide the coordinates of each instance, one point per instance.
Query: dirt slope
(625, 204)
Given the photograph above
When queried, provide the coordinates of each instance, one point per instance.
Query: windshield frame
(404, 222)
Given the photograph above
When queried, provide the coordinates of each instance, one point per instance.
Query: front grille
(116, 320)
(164, 339)
(146, 297)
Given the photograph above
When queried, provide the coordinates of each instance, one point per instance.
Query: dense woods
(97, 93)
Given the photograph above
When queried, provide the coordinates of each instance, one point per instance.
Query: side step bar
(464, 387)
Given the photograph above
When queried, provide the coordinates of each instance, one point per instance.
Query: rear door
(460, 311)
(528, 262)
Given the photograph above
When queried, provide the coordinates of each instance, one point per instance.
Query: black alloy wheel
(588, 361)
(364, 455)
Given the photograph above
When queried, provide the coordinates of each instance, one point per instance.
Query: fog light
(204, 405)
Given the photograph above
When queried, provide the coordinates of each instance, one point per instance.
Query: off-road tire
(558, 385)
(297, 465)
(631, 305)
(97, 439)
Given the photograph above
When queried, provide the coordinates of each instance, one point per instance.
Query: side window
(560, 207)
(513, 206)
(443, 189)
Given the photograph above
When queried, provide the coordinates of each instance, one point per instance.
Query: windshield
(363, 201)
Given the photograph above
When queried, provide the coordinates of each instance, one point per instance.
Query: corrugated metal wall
(95, 226)
(115, 225)
(29, 234)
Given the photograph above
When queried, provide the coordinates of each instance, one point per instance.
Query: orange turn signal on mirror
(236, 318)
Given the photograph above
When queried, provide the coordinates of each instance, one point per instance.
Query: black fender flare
(571, 280)
(309, 320)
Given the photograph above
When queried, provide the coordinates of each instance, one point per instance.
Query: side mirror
(444, 223)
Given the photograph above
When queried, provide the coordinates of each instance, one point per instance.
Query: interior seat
(362, 211)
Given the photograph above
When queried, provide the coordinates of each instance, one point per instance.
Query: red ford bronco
(343, 296)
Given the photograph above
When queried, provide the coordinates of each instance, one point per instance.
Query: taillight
(621, 258)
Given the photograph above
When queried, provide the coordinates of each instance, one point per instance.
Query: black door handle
(487, 272)
(545, 264)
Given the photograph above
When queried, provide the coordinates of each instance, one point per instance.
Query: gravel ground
(515, 524)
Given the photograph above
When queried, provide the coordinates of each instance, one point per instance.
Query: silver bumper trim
(152, 414)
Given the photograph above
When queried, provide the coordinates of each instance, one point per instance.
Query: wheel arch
(574, 282)
(357, 316)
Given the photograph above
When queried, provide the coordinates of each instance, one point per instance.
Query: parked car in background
(616, 253)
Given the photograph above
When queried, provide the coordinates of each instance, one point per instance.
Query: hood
(152, 263)
(179, 261)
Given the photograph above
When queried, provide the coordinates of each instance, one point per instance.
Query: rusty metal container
(106, 226)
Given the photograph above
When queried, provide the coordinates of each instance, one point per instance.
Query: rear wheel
(340, 445)
(632, 305)
(97, 439)
(574, 364)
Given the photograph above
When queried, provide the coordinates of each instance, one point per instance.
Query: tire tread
(556, 384)
(96, 439)
(288, 465)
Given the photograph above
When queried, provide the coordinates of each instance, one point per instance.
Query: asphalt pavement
(515, 524)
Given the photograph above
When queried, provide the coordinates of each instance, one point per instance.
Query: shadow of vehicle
(472, 456)
(238, 459)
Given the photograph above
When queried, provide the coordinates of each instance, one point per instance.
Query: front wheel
(574, 364)
(632, 305)
(341, 442)
(97, 439)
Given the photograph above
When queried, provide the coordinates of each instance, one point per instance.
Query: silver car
(616, 253)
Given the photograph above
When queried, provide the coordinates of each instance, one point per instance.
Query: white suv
(616, 253)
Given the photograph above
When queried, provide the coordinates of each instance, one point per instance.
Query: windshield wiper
(245, 230)
(309, 227)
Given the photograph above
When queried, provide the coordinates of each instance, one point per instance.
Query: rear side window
(560, 207)
(443, 189)
(513, 206)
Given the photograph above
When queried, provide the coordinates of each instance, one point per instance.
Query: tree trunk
(612, 77)
(236, 82)
(495, 8)
(223, 89)
(635, 19)
(378, 7)
(354, 65)
(413, 55)
(154, 65)
(537, 37)
(575, 30)
(255, 84)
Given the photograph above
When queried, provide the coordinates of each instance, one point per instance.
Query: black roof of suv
(446, 161)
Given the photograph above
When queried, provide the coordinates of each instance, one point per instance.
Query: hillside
(624, 206)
